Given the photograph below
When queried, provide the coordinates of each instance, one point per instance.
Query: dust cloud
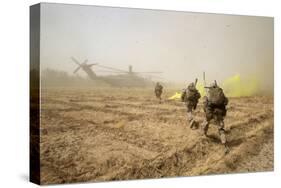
(236, 51)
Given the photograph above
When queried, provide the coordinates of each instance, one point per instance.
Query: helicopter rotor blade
(86, 60)
(76, 69)
(89, 65)
(149, 72)
(107, 71)
(76, 61)
(111, 68)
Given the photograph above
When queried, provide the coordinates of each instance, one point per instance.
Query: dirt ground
(121, 134)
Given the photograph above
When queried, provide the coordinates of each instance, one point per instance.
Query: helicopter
(118, 77)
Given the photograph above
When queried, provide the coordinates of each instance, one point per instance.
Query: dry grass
(119, 134)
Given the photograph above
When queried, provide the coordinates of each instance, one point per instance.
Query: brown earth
(121, 134)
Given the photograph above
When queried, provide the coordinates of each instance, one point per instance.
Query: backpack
(191, 95)
(158, 89)
(216, 96)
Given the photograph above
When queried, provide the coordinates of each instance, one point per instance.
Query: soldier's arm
(183, 95)
(225, 101)
(205, 102)
(198, 94)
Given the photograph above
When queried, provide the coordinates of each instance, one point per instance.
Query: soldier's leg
(192, 122)
(223, 136)
(158, 96)
(190, 119)
(189, 113)
(222, 132)
(218, 117)
(209, 116)
(205, 127)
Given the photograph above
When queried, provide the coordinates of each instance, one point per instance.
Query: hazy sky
(180, 44)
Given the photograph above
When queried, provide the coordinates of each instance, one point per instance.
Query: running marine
(215, 109)
(191, 96)
(158, 91)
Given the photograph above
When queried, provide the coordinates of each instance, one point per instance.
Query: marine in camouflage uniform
(158, 91)
(216, 113)
(191, 97)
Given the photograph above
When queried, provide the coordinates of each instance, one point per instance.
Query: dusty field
(119, 134)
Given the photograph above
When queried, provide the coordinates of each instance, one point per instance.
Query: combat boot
(193, 124)
(226, 149)
(205, 127)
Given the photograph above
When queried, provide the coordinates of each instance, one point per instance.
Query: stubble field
(121, 134)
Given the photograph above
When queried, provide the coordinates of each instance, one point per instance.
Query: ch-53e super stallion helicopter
(118, 77)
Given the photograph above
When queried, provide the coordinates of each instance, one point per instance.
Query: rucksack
(191, 94)
(216, 96)
(159, 87)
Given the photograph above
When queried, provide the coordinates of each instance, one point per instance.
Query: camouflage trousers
(158, 94)
(191, 106)
(216, 114)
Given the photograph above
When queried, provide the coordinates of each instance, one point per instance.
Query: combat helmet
(191, 86)
(214, 84)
